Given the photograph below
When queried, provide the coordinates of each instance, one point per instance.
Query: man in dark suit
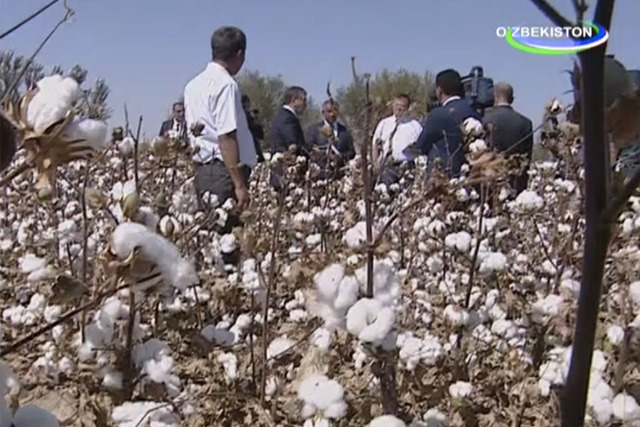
(510, 132)
(254, 126)
(441, 138)
(329, 142)
(176, 126)
(286, 131)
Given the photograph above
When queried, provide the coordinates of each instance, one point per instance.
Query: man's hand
(242, 196)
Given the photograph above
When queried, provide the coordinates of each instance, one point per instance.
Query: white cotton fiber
(177, 271)
(55, 97)
(92, 132)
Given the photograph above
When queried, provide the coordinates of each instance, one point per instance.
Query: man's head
(330, 111)
(400, 105)
(503, 93)
(178, 111)
(246, 103)
(448, 84)
(296, 98)
(228, 48)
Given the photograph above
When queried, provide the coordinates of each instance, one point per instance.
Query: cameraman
(254, 126)
(441, 136)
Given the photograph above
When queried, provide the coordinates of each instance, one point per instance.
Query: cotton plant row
(512, 327)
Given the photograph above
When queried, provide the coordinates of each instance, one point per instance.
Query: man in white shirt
(392, 136)
(220, 136)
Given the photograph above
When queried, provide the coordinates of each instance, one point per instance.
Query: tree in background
(383, 87)
(266, 94)
(94, 100)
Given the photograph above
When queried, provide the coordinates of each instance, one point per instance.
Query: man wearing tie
(330, 139)
(393, 135)
(176, 126)
(286, 131)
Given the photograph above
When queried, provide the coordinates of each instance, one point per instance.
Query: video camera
(478, 91)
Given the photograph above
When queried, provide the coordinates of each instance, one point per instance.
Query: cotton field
(118, 310)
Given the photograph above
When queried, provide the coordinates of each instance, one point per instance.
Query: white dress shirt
(397, 139)
(213, 99)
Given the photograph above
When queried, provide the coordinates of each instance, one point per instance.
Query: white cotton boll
(228, 243)
(370, 321)
(634, 293)
(298, 315)
(387, 421)
(460, 389)
(169, 223)
(386, 283)
(41, 274)
(546, 307)
(230, 363)
(126, 146)
(435, 418)
(279, 346)
(178, 272)
(55, 97)
(456, 315)
(92, 132)
(472, 127)
(460, 241)
(321, 338)
(626, 408)
(30, 263)
(322, 395)
(113, 380)
(494, 261)
(31, 415)
(529, 201)
(356, 236)
(156, 414)
(478, 146)
(615, 334)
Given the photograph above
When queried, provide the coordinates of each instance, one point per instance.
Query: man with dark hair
(225, 152)
(511, 132)
(254, 126)
(286, 130)
(330, 139)
(441, 138)
(176, 126)
(391, 138)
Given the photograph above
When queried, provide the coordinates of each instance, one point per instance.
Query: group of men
(227, 143)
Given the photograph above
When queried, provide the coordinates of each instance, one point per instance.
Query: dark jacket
(511, 133)
(285, 132)
(258, 134)
(167, 125)
(441, 136)
(318, 143)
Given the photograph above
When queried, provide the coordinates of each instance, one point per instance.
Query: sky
(147, 50)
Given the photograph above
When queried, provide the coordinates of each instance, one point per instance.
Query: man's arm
(162, 129)
(528, 142)
(431, 133)
(227, 125)
(311, 140)
(289, 132)
(375, 144)
(348, 150)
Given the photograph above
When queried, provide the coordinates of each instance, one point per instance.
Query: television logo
(554, 40)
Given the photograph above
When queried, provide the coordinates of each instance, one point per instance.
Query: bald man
(511, 132)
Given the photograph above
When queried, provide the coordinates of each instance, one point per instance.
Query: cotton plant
(323, 400)
(52, 133)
